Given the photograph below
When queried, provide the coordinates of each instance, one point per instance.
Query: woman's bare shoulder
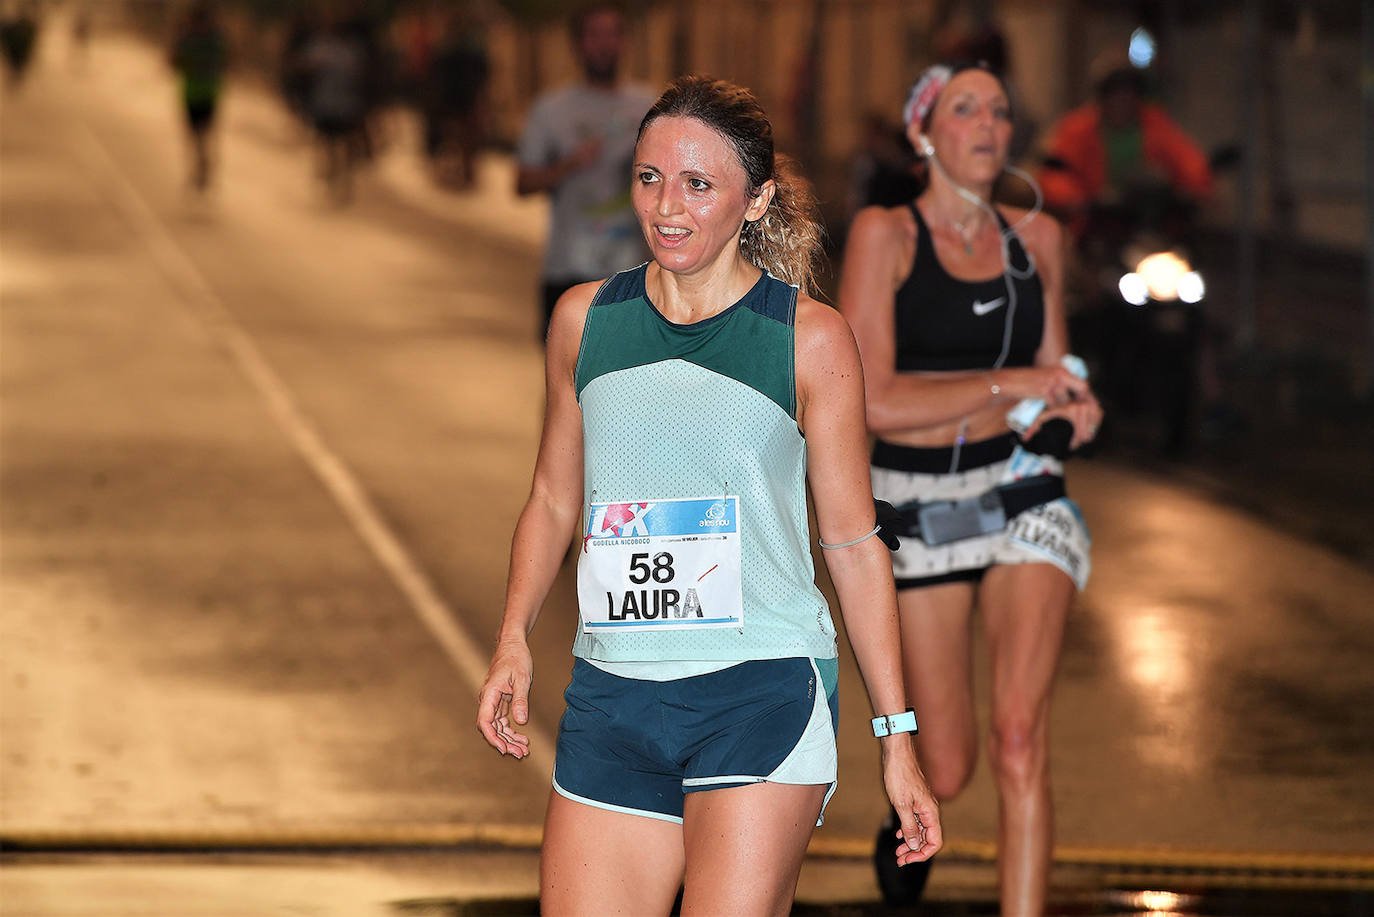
(822, 333)
(566, 324)
(883, 224)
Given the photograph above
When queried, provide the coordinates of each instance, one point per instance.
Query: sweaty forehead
(675, 143)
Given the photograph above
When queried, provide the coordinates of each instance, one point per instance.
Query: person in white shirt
(576, 146)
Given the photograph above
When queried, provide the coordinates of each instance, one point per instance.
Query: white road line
(467, 657)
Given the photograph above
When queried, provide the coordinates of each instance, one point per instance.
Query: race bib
(661, 565)
(1054, 530)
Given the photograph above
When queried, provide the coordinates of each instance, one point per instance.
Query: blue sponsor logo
(663, 518)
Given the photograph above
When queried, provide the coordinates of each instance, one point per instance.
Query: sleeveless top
(948, 324)
(695, 539)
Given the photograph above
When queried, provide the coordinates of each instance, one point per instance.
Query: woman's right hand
(504, 701)
(1054, 385)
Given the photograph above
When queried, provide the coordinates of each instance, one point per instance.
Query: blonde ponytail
(787, 241)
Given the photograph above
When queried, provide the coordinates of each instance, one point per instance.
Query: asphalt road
(262, 457)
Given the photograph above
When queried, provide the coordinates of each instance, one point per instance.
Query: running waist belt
(942, 521)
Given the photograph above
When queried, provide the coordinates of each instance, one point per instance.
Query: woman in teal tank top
(689, 403)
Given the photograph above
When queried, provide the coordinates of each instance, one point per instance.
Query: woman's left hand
(1084, 412)
(914, 803)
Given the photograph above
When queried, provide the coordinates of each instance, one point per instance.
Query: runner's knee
(1017, 748)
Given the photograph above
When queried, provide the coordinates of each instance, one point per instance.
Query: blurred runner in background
(335, 64)
(200, 56)
(18, 35)
(454, 102)
(958, 310)
(577, 145)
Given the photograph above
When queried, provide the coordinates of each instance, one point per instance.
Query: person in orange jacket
(1101, 152)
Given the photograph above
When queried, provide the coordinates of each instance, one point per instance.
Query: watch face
(894, 723)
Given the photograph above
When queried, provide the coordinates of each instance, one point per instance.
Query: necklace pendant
(963, 236)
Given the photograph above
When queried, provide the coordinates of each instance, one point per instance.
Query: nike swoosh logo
(983, 308)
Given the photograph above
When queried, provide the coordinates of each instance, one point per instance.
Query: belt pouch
(954, 520)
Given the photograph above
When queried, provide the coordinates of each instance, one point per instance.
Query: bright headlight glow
(1141, 49)
(1133, 289)
(1162, 272)
(1159, 902)
(1191, 288)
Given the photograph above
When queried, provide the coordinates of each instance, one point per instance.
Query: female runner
(690, 401)
(957, 308)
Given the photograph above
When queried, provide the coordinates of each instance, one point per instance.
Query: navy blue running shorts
(638, 746)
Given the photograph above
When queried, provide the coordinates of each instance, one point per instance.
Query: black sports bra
(948, 324)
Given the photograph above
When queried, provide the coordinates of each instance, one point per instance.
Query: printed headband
(925, 92)
(933, 82)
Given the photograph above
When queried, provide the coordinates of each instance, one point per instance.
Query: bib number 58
(660, 572)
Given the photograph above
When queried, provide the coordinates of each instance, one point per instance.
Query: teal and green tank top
(695, 537)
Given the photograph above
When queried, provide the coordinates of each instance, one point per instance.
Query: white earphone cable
(1009, 271)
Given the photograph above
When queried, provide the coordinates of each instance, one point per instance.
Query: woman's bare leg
(1024, 608)
(938, 671)
(745, 847)
(596, 862)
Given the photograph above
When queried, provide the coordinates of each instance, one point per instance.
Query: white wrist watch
(894, 723)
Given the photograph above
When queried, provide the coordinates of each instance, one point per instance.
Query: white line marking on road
(469, 658)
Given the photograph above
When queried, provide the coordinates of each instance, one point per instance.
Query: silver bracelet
(849, 544)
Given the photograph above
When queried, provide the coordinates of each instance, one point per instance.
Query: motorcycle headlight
(1162, 272)
(1191, 288)
(1134, 289)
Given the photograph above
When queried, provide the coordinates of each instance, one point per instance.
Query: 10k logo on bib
(661, 565)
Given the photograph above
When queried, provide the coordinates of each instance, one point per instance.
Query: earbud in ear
(927, 148)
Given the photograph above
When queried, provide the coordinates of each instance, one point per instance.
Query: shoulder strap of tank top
(920, 220)
(925, 245)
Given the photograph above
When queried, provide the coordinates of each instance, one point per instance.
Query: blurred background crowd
(1274, 222)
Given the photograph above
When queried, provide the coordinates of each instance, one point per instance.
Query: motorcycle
(1137, 313)
(1151, 322)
